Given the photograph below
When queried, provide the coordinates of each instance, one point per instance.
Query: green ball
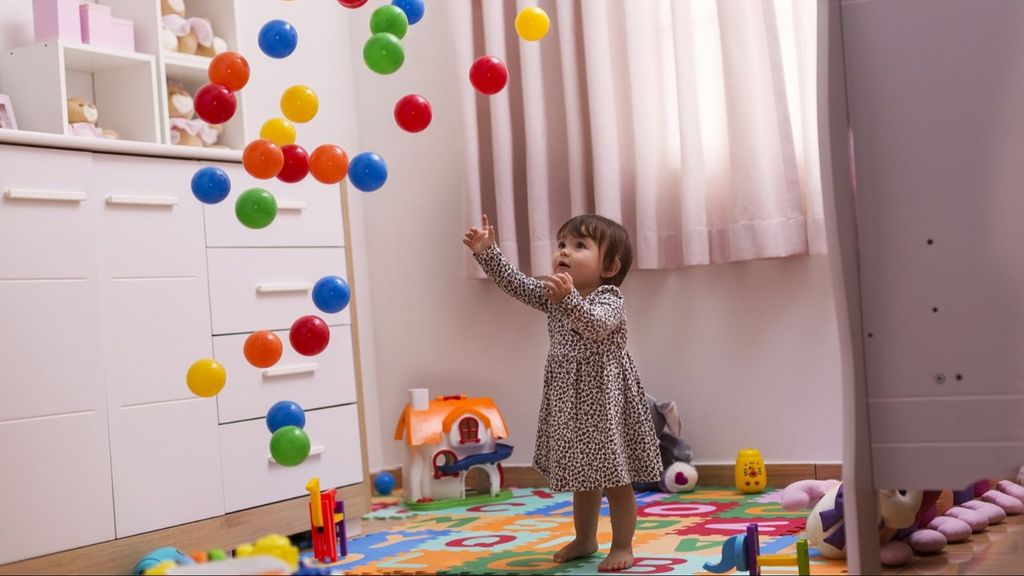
(256, 208)
(390, 19)
(383, 53)
(217, 555)
(289, 446)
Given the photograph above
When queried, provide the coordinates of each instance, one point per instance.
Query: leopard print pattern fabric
(595, 428)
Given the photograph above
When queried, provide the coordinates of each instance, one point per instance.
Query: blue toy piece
(367, 172)
(285, 413)
(384, 483)
(331, 294)
(211, 185)
(743, 553)
(413, 9)
(165, 554)
(278, 39)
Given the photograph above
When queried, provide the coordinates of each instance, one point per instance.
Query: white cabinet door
(269, 288)
(308, 214)
(166, 465)
(55, 484)
(153, 330)
(152, 225)
(251, 478)
(325, 380)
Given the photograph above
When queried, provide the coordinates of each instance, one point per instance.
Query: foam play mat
(676, 534)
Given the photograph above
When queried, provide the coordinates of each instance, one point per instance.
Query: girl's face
(581, 259)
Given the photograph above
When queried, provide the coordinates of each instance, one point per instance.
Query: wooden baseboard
(779, 475)
(224, 532)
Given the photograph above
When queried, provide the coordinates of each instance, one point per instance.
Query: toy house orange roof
(419, 427)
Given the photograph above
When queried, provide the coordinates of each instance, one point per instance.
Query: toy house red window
(469, 431)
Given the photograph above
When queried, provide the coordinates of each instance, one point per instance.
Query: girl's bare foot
(577, 549)
(618, 559)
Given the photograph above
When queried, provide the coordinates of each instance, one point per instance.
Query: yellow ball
(279, 131)
(299, 104)
(206, 377)
(532, 24)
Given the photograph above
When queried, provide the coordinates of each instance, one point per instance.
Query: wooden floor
(999, 550)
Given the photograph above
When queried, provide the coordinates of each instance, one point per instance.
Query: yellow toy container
(750, 472)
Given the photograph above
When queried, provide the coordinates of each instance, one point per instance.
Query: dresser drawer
(251, 478)
(153, 330)
(308, 214)
(269, 288)
(49, 348)
(165, 461)
(151, 223)
(55, 491)
(325, 380)
(46, 215)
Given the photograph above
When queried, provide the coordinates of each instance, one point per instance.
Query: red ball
(309, 335)
(296, 164)
(413, 113)
(351, 3)
(488, 75)
(215, 103)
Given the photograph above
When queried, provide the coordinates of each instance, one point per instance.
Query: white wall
(749, 351)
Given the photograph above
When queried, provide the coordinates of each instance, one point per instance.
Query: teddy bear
(187, 35)
(82, 118)
(679, 474)
(186, 129)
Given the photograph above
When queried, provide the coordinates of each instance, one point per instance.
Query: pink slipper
(994, 514)
(954, 529)
(1009, 504)
(977, 521)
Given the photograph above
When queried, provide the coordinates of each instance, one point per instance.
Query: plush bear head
(81, 110)
(172, 7)
(179, 101)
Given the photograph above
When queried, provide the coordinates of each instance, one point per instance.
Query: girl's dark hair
(611, 238)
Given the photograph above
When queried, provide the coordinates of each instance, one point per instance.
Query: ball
(256, 208)
(384, 483)
(229, 69)
(285, 413)
(289, 446)
(296, 164)
(383, 53)
(367, 172)
(328, 164)
(263, 159)
(279, 131)
(215, 103)
(299, 104)
(331, 294)
(488, 75)
(206, 377)
(413, 9)
(532, 24)
(211, 185)
(262, 349)
(352, 3)
(278, 39)
(390, 19)
(309, 335)
(413, 113)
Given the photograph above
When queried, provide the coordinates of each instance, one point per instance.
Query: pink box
(123, 34)
(53, 19)
(101, 29)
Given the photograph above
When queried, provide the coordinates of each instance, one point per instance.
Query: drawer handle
(291, 370)
(142, 200)
(291, 205)
(313, 451)
(41, 195)
(283, 287)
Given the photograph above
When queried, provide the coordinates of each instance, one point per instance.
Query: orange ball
(262, 349)
(229, 69)
(263, 159)
(328, 164)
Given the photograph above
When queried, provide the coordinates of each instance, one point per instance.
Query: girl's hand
(480, 239)
(557, 287)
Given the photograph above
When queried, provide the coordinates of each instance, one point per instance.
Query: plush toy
(187, 35)
(676, 455)
(82, 118)
(186, 129)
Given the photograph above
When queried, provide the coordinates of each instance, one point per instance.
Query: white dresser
(113, 280)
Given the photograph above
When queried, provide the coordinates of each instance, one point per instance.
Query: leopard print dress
(595, 429)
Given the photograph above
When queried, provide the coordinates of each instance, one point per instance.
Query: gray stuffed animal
(676, 454)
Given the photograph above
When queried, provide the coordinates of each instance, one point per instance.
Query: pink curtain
(692, 122)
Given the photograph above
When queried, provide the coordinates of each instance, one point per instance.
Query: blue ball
(331, 294)
(384, 483)
(413, 9)
(285, 413)
(278, 39)
(165, 554)
(367, 172)
(211, 185)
